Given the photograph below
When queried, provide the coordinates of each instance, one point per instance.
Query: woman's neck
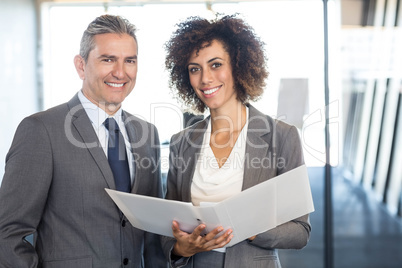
(231, 118)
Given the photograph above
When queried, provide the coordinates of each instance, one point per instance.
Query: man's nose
(118, 70)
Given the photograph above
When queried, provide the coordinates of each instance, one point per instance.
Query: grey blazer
(273, 148)
(53, 186)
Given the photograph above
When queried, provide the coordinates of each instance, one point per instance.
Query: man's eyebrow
(134, 57)
(107, 56)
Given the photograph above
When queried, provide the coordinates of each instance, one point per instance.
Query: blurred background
(360, 75)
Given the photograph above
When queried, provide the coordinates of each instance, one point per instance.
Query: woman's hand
(189, 244)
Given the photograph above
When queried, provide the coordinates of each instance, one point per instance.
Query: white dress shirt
(98, 117)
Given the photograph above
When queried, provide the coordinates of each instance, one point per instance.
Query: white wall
(18, 88)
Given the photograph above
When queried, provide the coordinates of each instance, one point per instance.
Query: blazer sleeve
(172, 194)
(296, 233)
(23, 194)
(153, 254)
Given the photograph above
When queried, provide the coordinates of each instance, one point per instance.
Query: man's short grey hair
(102, 25)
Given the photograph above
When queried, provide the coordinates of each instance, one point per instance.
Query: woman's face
(210, 73)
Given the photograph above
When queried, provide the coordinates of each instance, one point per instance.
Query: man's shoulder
(133, 119)
(53, 113)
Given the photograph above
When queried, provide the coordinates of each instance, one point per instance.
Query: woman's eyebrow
(216, 58)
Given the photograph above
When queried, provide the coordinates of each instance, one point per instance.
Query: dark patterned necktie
(117, 156)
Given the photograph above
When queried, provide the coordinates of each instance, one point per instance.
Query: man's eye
(107, 60)
(131, 61)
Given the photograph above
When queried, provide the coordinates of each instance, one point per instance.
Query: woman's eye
(193, 69)
(216, 65)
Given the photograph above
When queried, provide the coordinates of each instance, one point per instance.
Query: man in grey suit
(57, 168)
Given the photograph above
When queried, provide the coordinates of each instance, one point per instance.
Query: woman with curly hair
(220, 65)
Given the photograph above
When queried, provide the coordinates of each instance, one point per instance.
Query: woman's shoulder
(191, 132)
(259, 120)
(198, 126)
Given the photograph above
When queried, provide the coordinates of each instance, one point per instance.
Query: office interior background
(38, 40)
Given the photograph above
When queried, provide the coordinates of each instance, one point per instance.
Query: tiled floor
(365, 235)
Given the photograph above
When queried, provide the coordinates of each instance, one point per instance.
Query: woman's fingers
(211, 235)
(217, 240)
(190, 244)
(197, 231)
(176, 230)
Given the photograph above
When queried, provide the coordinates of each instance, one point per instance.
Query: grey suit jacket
(53, 186)
(273, 148)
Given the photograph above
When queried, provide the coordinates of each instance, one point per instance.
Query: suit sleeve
(23, 194)
(153, 254)
(172, 194)
(296, 233)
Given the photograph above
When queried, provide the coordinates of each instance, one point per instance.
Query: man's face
(110, 72)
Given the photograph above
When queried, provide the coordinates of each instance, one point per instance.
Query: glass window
(292, 31)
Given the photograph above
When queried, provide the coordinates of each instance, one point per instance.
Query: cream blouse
(213, 184)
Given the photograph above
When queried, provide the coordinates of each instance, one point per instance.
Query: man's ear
(79, 63)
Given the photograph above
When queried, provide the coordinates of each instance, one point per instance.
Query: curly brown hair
(246, 51)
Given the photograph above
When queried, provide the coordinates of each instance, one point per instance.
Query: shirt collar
(96, 114)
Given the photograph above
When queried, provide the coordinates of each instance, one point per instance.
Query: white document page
(253, 211)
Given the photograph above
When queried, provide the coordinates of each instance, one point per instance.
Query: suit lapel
(81, 122)
(256, 148)
(133, 127)
(194, 138)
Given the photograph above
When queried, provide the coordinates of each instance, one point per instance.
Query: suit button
(123, 223)
(125, 261)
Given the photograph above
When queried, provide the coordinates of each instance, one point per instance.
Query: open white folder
(253, 211)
